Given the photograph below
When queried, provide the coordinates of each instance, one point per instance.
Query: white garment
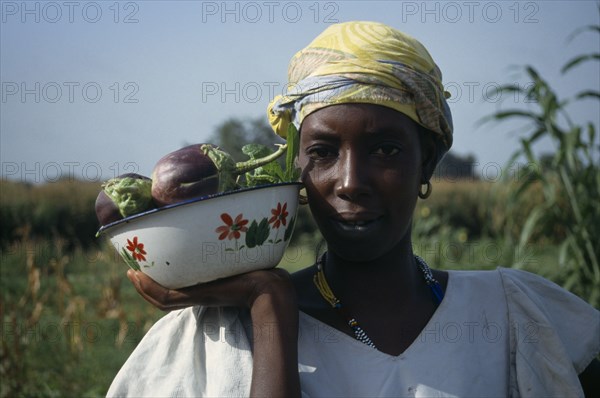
(496, 334)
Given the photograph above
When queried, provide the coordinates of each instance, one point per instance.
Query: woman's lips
(357, 227)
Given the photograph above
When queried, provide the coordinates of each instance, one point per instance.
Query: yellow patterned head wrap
(364, 62)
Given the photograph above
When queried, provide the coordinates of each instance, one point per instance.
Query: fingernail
(132, 275)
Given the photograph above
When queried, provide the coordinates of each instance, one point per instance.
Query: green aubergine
(123, 196)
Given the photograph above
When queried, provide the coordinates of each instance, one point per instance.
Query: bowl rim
(125, 220)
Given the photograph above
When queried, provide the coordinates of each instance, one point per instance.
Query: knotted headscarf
(365, 62)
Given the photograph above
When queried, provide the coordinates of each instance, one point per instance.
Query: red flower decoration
(279, 215)
(136, 249)
(232, 228)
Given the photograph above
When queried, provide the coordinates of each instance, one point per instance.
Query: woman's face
(362, 169)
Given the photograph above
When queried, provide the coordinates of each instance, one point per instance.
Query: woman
(369, 318)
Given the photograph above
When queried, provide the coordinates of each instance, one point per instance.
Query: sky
(94, 89)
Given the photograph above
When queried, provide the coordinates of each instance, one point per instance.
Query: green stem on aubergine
(229, 170)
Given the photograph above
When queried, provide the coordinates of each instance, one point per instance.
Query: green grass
(69, 321)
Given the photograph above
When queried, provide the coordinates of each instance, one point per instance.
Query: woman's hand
(237, 291)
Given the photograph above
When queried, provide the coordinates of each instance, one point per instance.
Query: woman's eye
(387, 150)
(320, 153)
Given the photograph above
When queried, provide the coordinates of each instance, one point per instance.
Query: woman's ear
(430, 154)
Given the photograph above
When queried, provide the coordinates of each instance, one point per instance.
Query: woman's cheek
(310, 170)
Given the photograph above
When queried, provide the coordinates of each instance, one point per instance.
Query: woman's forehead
(367, 118)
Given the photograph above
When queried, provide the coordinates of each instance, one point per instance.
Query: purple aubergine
(186, 173)
(199, 170)
(123, 196)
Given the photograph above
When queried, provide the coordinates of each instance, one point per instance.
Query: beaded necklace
(359, 333)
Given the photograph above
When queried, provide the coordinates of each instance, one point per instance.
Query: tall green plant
(569, 178)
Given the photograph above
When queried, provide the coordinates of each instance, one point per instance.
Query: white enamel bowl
(209, 238)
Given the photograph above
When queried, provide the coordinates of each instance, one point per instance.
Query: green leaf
(255, 163)
(129, 260)
(269, 173)
(591, 133)
(499, 116)
(578, 31)
(506, 89)
(274, 170)
(588, 94)
(563, 251)
(251, 234)
(512, 160)
(571, 281)
(526, 143)
(530, 224)
(262, 232)
(253, 180)
(533, 73)
(225, 164)
(513, 113)
(255, 151)
(257, 233)
(525, 183)
(539, 133)
(510, 88)
(292, 173)
(579, 59)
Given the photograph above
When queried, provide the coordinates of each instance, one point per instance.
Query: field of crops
(70, 317)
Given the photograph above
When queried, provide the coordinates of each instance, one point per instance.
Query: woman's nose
(353, 177)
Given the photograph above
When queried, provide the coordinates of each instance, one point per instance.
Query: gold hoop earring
(427, 192)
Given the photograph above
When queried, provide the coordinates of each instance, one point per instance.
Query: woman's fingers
(239, 290)
(149, 289)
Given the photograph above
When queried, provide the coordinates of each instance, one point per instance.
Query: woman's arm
(275, 354)
(271, 298)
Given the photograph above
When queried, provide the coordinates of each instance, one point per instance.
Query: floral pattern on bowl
(255, 235)
(210, 238)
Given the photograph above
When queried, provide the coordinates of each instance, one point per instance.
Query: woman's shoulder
(523, 289)
(545, 312)
(515, 284)
(551, 330)
(526, 293)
